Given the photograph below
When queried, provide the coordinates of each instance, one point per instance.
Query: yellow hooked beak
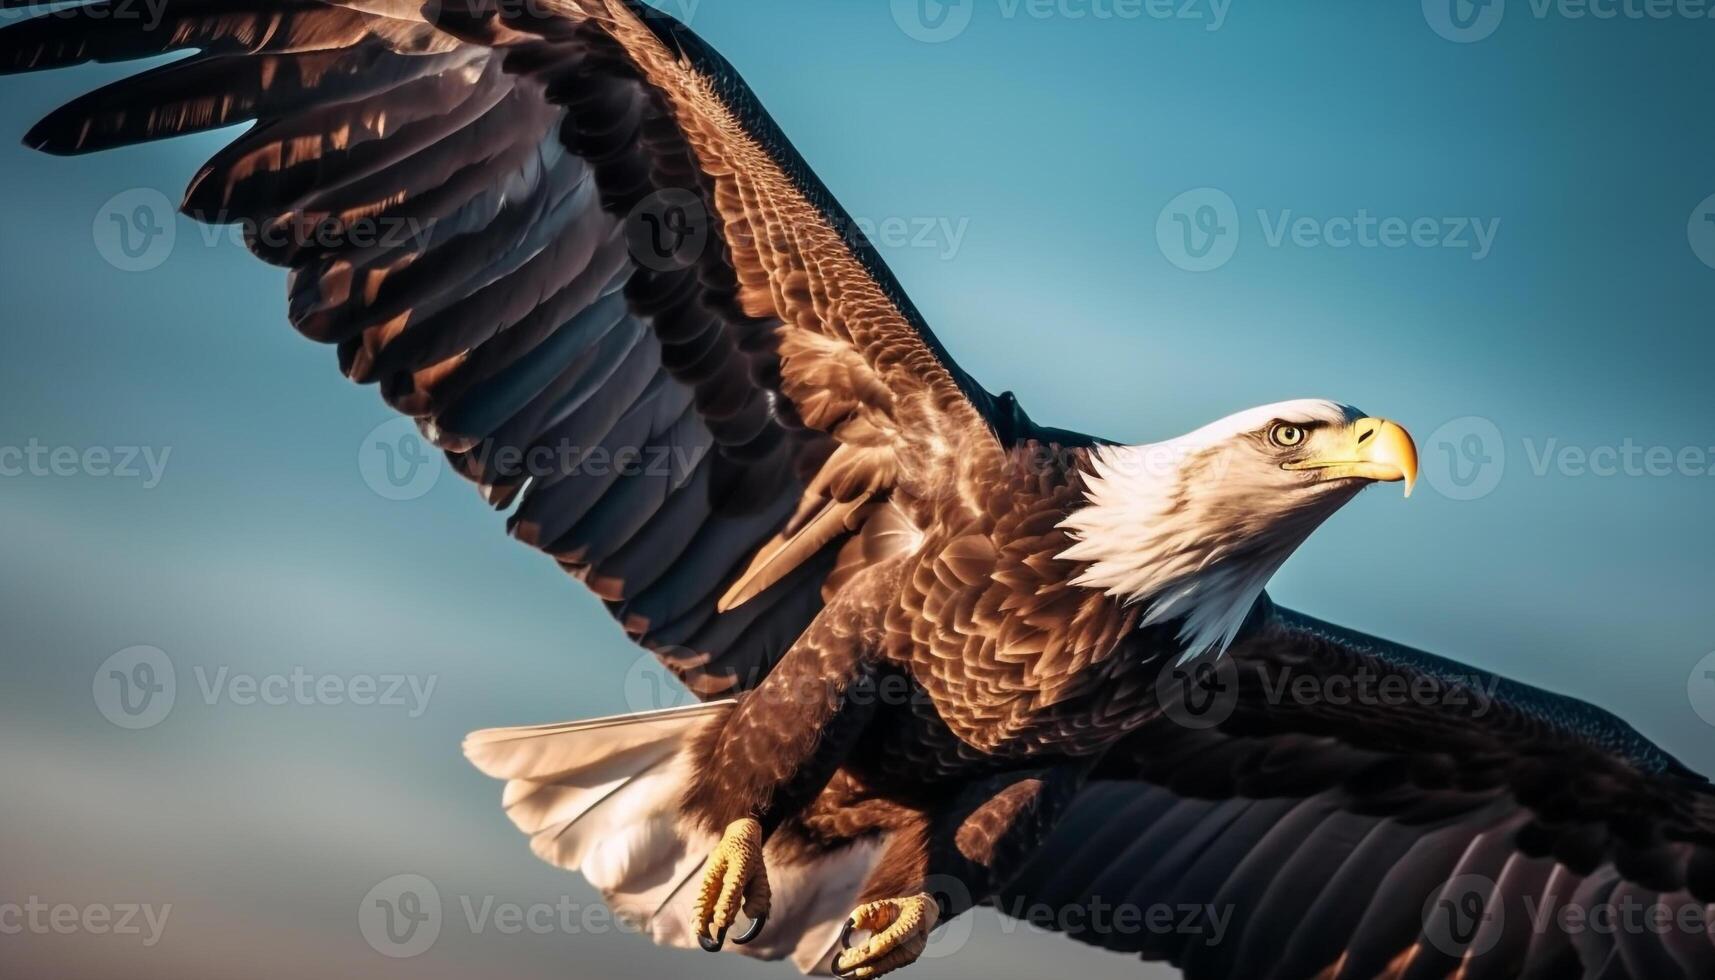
(1368, 449)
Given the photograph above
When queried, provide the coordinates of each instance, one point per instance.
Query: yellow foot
(899, 931)
(734, 878)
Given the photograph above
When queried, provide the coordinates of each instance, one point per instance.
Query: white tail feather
(602, 798)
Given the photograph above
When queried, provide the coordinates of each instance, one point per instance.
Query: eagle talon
(751, 932)
(846, 934)
(899, 932)
(733, 880)
(845, 945)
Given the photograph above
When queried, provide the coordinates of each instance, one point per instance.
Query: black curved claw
(712, 945)
(845, 947)
(750, 933)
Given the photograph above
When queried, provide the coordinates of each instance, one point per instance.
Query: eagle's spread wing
(568, 241)
(1347, 808)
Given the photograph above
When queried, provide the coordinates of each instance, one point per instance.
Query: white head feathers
(1194, 527)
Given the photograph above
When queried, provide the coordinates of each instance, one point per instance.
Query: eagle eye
(1286, 435)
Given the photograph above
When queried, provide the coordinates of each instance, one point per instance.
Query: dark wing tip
(69, 131)
(43, 138)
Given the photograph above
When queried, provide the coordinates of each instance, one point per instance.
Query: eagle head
(1193, 528)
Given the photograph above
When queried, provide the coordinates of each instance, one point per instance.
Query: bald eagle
(947, 657)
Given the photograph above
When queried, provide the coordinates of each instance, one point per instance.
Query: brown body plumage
(951, 695)
(941, 699)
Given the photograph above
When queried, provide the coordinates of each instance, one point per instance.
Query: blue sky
(1028, 177)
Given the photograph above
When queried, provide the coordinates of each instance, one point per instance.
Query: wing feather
(1451, 833)
(459, 205)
